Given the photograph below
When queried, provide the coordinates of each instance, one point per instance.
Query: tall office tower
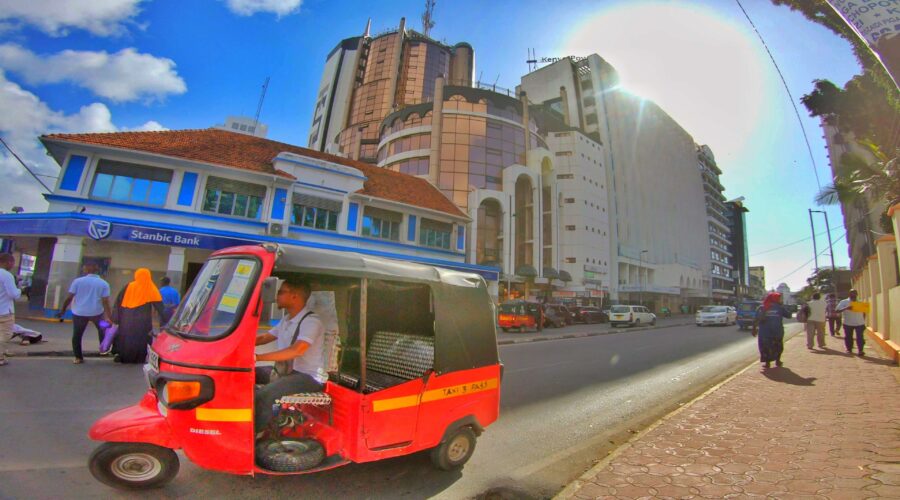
(368, 77)
(735, 210)
(661, 258)
(719, 226)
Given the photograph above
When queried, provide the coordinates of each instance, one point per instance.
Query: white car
(716, 315)
(631, 315)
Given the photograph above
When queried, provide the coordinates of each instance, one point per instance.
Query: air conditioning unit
(275, 229)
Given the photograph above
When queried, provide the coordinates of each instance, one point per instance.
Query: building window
(131, 183)
(565, 176)
(570, 228)
(563, 153)
(315, 212)
(435, 234)
(569, 200)
(570, 260)
(230, 197)
(381, 224)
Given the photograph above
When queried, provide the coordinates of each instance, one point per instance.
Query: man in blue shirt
(170, 298)
(9, 292)
(89, 296)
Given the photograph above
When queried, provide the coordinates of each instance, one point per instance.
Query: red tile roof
(230, 149)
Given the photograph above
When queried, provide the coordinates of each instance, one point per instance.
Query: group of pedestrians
(88, 297)
(131, 313)
(769, 325)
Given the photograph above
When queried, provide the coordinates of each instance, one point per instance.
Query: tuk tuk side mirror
(269, 290)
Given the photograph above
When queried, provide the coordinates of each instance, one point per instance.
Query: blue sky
(106, 65)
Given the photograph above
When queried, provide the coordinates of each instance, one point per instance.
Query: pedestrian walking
(89, 297)
(9, 292)
(134, 314)
(854, 322)
(170, 298)
(770, 328)
(815, 321)
(834, 317)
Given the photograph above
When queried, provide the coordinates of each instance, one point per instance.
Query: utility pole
(813, 229)
(640, 278)
(428, 17)
(830, 248)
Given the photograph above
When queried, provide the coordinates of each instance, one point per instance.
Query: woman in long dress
(133, 313)
(769, 324)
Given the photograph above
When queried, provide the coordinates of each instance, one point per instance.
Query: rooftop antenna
(262, 97)
(428, 17)
(531, 61)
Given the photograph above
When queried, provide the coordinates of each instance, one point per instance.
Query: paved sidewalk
(826, 425)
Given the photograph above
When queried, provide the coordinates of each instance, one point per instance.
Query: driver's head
(853, 294)
(293, 294)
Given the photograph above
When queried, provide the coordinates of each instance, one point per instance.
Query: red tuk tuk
(521, 314)
(413, 373)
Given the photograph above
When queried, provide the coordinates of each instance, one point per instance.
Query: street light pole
(640, 278)
(830, 248)
(813, 229)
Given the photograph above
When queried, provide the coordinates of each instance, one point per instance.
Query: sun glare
(704, 71)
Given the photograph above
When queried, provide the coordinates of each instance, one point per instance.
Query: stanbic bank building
(166, 200)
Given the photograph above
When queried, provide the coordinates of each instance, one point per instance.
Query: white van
(631, 316)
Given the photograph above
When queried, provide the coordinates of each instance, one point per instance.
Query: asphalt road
(565, 404)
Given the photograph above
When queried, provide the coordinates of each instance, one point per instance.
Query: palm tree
(878, 180)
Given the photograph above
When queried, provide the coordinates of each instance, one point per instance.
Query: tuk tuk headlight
(178, 391)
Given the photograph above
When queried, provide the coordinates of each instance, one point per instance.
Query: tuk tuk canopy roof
(464, 326)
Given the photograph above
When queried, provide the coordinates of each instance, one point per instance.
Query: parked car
(716, 315)
(746, 312)
(590, 315)
(631, 316)
(521, 315)
(567, 314)
(553, 318)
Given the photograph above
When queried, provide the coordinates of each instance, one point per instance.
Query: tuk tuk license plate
(153, 360)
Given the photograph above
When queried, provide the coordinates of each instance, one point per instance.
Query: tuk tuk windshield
(216, 299)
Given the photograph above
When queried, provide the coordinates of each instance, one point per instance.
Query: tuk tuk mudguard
(140, 423)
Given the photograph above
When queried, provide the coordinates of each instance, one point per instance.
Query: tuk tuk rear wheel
(133, 466)
(455, 451)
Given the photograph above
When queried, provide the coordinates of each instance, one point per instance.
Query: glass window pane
(158, 193)
(296, 213)
(226, 203)
(121, 188)
(309, 217)
(367, 226)
(211, 200)
(332, 221)
(139, 190)
(255, 208)
(102, 185)
(322, 218)
(240, 205)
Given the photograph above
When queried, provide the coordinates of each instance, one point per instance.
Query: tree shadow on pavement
(828, 351)
(787, 376)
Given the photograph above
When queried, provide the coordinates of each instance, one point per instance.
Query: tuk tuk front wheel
(133, 466)
(455, 451)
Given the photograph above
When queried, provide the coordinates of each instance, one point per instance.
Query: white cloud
(277, 7)
(126, 75)
(55, 17)
(24, 118)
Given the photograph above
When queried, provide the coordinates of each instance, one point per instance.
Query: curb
(588, 334)
(53, 354)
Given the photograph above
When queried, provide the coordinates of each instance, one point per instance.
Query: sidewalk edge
(573, 487)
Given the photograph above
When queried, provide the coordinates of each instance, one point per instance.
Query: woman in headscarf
(769, 325)
(133, 313)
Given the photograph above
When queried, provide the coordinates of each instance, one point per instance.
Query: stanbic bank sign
(164, 237)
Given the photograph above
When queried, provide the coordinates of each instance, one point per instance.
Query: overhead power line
(793, 242)
(25, 166)
(786, 89)
(810, 260)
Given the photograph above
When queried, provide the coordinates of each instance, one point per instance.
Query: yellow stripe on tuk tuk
(435, 395)
(225, 414)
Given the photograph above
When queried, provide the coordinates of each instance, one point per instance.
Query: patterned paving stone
(756, 437)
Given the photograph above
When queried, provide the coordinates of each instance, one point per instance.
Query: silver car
(716, 315)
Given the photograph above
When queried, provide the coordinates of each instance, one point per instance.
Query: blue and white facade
(129, 208)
